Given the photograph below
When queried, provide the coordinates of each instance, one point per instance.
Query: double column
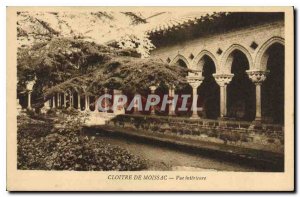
(195, 82)
(223, 80)
(257, 77)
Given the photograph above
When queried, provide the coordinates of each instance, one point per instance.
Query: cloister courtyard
(199, 89)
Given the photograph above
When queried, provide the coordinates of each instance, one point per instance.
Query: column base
(257, 122)
(172, 114)
(223, 118)
(195, 117)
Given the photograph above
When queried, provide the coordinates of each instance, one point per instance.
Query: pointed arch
(200, 56)
(262, 57)
(226, 60)
(180, 57)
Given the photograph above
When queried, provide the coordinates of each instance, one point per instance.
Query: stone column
(53, 102)
(29, 100)
(78, 102)
(105, 100)
(29, 87)
(257, 77)
(195, 81)
(58, 100)
(223, 80)
(71, 100)
(171, 95)
(87, 102)
(195, 85)
(65, 100)
(152, 89)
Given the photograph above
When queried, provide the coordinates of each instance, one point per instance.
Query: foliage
(41, 146)
(122, 28)
(127, 74)
(60, 59)
(55, 61)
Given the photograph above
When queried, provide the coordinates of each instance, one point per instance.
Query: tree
(120, 28)
(53, 62)
(129, 74)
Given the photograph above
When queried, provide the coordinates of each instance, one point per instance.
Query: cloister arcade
(237, 86)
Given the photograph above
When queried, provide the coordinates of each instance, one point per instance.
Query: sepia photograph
(150, 94)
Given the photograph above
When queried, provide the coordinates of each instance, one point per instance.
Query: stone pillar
(257, 77)
(223, 80)
(87, 102)
(65, 100)
(152, 109)
(29, 87)
(105, 100)
(171, 95)
(58, 100)
(71, 100)
(53, 102)
(29, 100)
(195, 86)
(78, 102)
(195, 81)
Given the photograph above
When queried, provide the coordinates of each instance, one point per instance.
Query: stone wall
(237, 133)
(192, 50)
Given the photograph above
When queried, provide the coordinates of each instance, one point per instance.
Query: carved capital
(223, 79)
(195, 81)
(257, 76)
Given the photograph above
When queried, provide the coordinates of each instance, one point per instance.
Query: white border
(103, 3)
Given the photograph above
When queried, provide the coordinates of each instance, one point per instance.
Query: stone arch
(209, 91)
(240, 92)
(182, 58)
(262, 57)
(271, 57)
(227, 59)
(200, 55)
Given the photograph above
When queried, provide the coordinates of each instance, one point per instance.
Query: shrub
(42, 147)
